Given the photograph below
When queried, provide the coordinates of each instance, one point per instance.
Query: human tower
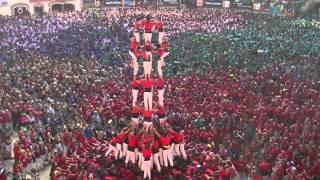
(149, 141)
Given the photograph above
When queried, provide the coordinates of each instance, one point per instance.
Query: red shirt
(146, 152)
(23, 119)
(3, 176)
(146, 139)
(17, 169)
(122, 136)
(16, 153)
(148, 25)
(179, 137)
(160, 84)
(132, 140)
(264, 166)
(66, 138)
(147, 84)
(164, 141)
(156, 145)
(148, 47)
(144, 55)
(6, 116)
(135, 84)
(239, 165)
(160, 52)
(135, 112)
(147, 114)
(224, 175)
(161, 112)
(165, 45)
(115, 140)
(25, 161)
(159, 26)
(134, 46)
(137, 26)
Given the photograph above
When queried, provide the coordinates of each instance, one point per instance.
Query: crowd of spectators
(244, 87)
(98, 34)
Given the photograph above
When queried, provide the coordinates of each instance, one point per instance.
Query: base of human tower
(148, 142)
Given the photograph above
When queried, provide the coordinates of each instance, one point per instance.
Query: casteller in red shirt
(160, 84)
(135, 85)
(147, 115)
(264, 168)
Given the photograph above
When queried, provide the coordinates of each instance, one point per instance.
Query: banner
(226, 4)
(51, 1)
(108, 2)
(213, 2)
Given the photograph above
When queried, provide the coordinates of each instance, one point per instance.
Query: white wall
(6, 10)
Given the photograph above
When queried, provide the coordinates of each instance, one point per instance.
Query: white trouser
(161, 63)
(147, 65)
(147, 124)
(179, 150)
(147, 37)
(164, 55)
(119, 150)
(137, 36)
(167, 156)
(146, 168)
(134, 63)
(161, 156)
(135, 97)
(156, 161)
(159, 68)
(112, 149)
(161, 97)
(172, 151)
(160, 35)
(147, 98)
(141, 159)
(130, 157)
(125, 149)
(135, 68)
(134, 57)
(149, 54)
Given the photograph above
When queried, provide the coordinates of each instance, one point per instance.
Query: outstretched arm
(156, 132)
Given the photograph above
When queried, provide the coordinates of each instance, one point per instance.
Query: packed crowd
(248, 98)
(272, 41)
(99, 34)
